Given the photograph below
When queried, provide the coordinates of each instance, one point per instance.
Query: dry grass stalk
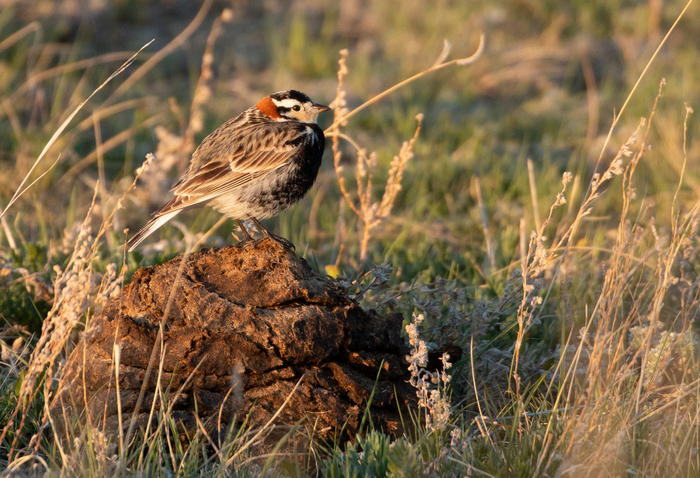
(639, 80)
(438, 65)
(174, 151)
(108, 145)
(42, 75)
(617, 397)
(21, 33)
(202, 93)
(124, 136)
(373, 213)
(165, 51)
(542, 257)
(522, 242)
(534, 263)
(21, 190)
(8, 233)
(78, 291)
(533, 193)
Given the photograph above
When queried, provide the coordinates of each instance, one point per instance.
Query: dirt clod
(244, 323)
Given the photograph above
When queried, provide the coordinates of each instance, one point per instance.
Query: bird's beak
(318, 109)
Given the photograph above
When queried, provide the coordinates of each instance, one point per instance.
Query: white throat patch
(311, 133)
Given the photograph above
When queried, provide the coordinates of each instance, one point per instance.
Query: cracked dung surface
(257, 309)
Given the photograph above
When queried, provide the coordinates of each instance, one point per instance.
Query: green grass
(577, 405)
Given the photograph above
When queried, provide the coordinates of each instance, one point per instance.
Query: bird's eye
(296, 107)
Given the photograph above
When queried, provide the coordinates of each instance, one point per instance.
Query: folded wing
(219, 167)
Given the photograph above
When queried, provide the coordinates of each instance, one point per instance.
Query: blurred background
(547, 88)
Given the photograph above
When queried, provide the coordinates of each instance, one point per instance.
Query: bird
(253, 166)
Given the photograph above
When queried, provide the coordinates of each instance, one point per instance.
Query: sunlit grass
(589, 367)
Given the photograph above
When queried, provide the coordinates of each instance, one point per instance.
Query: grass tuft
(557, 341)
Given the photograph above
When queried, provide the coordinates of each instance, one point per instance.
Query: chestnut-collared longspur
(253, 166)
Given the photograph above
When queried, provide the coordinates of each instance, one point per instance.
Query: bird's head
(290, 105)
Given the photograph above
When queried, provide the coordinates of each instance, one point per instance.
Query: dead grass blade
(63, 126)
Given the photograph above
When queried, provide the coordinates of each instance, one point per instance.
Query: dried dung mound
(241, 327)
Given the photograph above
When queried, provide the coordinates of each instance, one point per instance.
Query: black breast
(310, 153)
(292, 182)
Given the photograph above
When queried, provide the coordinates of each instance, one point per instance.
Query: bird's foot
(279, 240)
(275, 238)
(246, 235)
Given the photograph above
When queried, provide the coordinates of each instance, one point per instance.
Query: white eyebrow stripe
(286, 103)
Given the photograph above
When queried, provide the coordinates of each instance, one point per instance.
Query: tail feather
(152, 225)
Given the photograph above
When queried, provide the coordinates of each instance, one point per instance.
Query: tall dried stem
(77, 290)
(372, 213)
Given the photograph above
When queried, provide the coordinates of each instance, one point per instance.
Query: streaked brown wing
(266, 147)
(219, 166)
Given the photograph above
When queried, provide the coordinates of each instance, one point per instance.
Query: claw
(279, 240)
(282, 241)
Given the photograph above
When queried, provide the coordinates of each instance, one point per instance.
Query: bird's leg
(280, 240)
(245, 232)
